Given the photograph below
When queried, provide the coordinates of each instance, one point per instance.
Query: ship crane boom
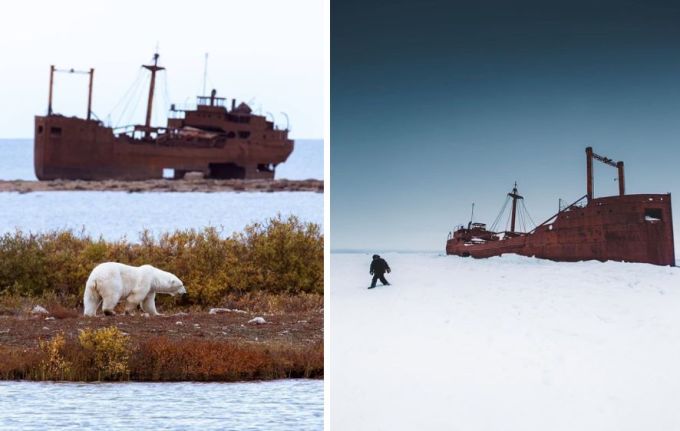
(90, 72)
(590, 155)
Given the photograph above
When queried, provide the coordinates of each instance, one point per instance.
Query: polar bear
(110, 282)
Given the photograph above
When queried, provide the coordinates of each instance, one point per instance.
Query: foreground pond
(277, 406)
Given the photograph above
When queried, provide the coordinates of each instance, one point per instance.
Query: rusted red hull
(75, 148)
(630, 228)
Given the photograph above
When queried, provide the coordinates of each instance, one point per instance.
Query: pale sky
(266, 52)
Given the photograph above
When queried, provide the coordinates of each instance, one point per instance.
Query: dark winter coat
(379, 266)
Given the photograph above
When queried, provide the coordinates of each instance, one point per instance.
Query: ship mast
(153, 68)
(514, 197)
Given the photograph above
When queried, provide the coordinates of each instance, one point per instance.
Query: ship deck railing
(575, 204)
(138, 131)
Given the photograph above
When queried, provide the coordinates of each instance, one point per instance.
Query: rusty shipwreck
(217, 140)
(630, 228)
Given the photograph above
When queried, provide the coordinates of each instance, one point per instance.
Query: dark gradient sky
(438, 104)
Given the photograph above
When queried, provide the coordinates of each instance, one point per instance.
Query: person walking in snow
(378, 269)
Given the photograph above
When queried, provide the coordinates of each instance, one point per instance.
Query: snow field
(507, 343)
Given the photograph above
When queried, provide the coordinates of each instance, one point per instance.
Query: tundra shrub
(280, 256)
(54, 366)
(109, 351)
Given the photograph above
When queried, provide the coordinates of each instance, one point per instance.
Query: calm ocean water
(306, 161)
(117, 214)
(275, 406)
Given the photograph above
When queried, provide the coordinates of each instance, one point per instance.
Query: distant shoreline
(198, 185)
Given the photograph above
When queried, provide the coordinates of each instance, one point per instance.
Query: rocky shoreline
(194, 185)
(231, 345)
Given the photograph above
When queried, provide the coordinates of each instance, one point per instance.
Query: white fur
(110, 282)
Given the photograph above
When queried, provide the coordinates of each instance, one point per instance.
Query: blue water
(306, 161)
(16, 160)
(274, 406)
(119, 214)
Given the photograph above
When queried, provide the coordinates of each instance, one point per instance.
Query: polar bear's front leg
(132, 302)
(131, 305)
(149, 304)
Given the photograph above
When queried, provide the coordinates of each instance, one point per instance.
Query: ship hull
(75, 148)
(630, 228)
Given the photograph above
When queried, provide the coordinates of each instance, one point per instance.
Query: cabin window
(168, 173)
(653, 214)
(55, 131)
(243, 134)
(262, 167)
(40, 129)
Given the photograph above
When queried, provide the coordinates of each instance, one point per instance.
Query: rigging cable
(126, 97)
(147, 82)
(529, 215)
(132, 101)
(167, 94)
(500, 214)
(522, 218)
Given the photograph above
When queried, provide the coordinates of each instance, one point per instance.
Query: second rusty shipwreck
(218, 141)
(630, 228)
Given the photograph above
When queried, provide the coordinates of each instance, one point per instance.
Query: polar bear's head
(175, 286)
(166, 282)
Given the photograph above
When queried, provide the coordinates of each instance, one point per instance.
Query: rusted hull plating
(630, 228)
(75, 148)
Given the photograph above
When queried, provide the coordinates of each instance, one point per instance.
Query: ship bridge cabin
(211, 115)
